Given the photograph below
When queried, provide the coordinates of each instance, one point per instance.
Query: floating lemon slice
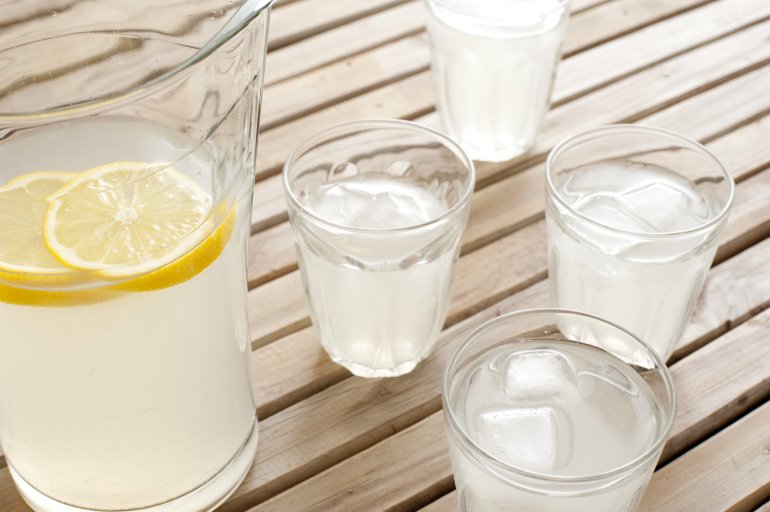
(126, 219)
(25, 263)
(143, 224)
(23, 253)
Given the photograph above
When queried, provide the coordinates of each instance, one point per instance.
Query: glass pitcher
(128, 133)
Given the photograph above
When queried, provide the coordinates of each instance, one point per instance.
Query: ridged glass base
(202, 499)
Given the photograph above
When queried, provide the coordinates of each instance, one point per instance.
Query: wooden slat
(626, 16)
(738, 378)
(582, 5)
(700, 117)
(447, 503)
(303, 18)
(405, 470)
(350, 39)
(730, 471)
(367, 471)
(344, 79)
(493, 213)
(737, 363)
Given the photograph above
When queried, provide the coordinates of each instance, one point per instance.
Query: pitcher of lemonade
(128, 134)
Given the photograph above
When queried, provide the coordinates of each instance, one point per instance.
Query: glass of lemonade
(633, 216)
(542, 419)
(494, 63)
(127, 144)
(378, 209)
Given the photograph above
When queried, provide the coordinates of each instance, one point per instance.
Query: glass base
(360, 370)
(202, 499)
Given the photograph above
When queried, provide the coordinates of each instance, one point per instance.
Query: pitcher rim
(241, 18)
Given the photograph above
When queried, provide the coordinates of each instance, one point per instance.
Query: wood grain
(730, 471)
(304, 18)
(350, 39)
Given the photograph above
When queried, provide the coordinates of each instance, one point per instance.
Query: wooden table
(329, 441)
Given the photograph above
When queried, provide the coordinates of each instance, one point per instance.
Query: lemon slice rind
(85, 188)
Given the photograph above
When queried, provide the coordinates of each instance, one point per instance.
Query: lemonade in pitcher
(126, 175)
(126, 378)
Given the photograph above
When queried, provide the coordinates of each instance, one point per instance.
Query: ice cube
(612, 211)
(533, 438)
(537, 374)
(665, 207)
(337, 203)
(386, 211)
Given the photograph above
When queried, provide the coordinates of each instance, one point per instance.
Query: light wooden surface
(329, 441)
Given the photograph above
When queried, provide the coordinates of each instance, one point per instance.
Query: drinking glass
(493, 64)
(633, 215)
(128, 135)
(542, 417)
(378, 208)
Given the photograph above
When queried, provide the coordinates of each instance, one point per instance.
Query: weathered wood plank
(292, 98)
(399, 473)
(304, 18)
(447, 503)
(405, 470)
(344, 41)
(730, 471)
(738, 378)
(625, 16)
(720, 381)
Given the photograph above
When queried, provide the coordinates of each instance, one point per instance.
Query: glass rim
(561, 5)
(468, 443)
(367, 125)
(248, 11)
(612, 129)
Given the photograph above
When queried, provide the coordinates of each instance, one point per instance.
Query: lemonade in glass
(125, 199)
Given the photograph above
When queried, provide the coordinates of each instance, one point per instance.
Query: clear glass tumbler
(493, 68)
(633, 216)
(378, 209)
(541, 419)
(128, 134)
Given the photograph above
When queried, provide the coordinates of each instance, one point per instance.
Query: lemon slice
(23, 253)
(125, 219)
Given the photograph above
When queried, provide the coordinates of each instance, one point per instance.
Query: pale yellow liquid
(137, 399)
